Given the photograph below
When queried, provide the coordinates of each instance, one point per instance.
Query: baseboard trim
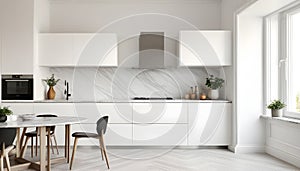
(247, 149)
(282, 155)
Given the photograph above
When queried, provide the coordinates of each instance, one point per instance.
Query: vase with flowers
(51, 82)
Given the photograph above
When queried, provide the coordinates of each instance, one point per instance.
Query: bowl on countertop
(28, 116)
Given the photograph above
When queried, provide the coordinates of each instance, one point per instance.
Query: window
(293, 63)
(283, 59)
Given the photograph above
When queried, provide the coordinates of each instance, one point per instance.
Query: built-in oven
(17, 87)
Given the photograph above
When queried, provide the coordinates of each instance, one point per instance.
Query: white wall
(248, 101)
(128, 18)
(229, 7)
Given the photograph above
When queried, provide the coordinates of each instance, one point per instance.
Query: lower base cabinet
(209, 124)
(159, 134)
(200, 124)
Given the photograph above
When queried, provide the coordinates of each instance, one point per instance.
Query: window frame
(283, 27)
(286, 48)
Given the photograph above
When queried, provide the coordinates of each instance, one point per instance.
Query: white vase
(213, 94)
(277, 112)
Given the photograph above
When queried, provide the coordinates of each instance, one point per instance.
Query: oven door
(17, 89)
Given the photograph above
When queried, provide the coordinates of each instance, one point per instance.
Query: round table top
(43, 121)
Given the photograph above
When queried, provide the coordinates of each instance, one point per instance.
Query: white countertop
(116, 101)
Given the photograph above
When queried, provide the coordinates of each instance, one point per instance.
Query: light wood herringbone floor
(89, 159)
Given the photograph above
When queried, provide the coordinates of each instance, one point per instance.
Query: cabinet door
(205, 48)
(160, 113)
(95, 49)
(20, 108)
(159, 134)
(56, 49)
(17, 36)
(209, 124)
(118, 135)
(78, 49)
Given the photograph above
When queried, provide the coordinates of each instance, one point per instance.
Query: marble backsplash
(124, 83)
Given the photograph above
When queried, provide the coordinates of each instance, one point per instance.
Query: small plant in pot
(51, 82)
(4, 112)
(214, 84)
(276, 107)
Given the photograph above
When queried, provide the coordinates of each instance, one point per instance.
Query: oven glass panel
(18, 87)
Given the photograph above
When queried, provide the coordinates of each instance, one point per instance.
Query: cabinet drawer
(117, 112)
(160, 113)
(61, 109)
(118, 134)
(159, 134)
(20, 108)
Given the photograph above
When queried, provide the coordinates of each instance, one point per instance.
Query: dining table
(42, 124)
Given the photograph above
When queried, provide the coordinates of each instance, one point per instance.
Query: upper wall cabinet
(17, 36)
(78, 49)
(205, 48)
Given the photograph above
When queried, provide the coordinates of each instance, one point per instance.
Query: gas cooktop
(152, 98)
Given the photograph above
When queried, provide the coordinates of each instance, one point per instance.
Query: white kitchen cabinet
(160, 134)
(60, 109)
(117, 112)
(19, 108)
(55, 49)
(209, 123)
(17, 36)
(118, 135)
(205, 48)
(160, 123)
(160, 113)
(78, 49)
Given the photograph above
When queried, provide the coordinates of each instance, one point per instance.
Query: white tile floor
(89, 159)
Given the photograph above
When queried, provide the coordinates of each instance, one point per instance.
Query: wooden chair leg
(7, 163)
(73, 153)
(104, 150)
(32, 145)
(51, 144)
(55, 143)
(1, 163)
(24, 147)
(101, 148)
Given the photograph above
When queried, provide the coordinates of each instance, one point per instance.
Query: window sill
(285, 119)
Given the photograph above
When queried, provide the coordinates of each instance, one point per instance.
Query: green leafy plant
(51, 81)
(276, 104)
(214, 82)
(5, 111)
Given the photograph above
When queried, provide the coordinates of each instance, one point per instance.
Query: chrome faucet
(67, 90)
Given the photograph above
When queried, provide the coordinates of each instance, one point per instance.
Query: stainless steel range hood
(151, 50)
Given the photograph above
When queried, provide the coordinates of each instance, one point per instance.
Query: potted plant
(51, 82)
(276, 107)
(4, 112)
(214, 84)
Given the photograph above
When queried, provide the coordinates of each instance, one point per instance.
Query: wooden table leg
(22, 137)
(67, 142)
(48, 150)
(18, 145)
(42, 131)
